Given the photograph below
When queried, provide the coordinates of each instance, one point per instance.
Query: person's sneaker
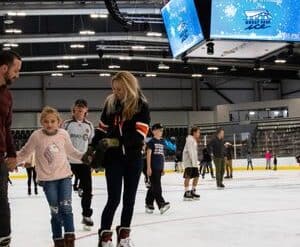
(87, 221)
(195, 195)
(164, 208)
(227, 177)
(105, 239)
(149, 209)
(188, 196)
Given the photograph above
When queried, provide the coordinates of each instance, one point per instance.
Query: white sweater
(190, 153)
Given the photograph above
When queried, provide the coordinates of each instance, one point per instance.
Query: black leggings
(84, 174)
(31, 175)
(120, 172)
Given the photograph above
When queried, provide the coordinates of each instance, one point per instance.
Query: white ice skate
(87, 223)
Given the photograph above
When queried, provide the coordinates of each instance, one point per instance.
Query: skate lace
(126, 242)
(107, 244)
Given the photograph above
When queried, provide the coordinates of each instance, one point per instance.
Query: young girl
(52, 147)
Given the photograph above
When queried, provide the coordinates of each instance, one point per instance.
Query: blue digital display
(182, 25)
(276, 20)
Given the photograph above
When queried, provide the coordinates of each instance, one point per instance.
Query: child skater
(155, 169)
(53, 147)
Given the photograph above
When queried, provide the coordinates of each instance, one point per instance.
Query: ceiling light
(68, 57)
(259, 69)
(276, 113)
(212, 68)
(154, 34)
(77, 46)
(13, 30)
(252, 113)
(125, 58)
(10, 45)
(8, 21)
(57, 74)
(84, 64)
(280, 60)
(6, 48)
(87, 32)
(112, 66)
(163, 66)
(197, 75)
(97, 15)
(62, 66)
(138, 47)
(151, 75)
(104, 74)
(16, 14)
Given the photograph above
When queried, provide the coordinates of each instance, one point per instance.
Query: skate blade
(188, 199)
(87, 228)
(196, 198)
(165, 209)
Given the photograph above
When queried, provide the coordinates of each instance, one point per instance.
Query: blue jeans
(59, 197)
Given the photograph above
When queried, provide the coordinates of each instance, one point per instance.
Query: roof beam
(62, 38)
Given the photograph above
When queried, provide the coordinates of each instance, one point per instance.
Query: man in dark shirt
(216, 148)
(10, 65)
(155, 169)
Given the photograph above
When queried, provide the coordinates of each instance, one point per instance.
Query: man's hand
(163, 173)
(11, 163)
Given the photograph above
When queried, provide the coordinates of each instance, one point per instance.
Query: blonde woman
(125, 119)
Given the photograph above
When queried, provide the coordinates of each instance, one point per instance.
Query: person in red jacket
(10, 66)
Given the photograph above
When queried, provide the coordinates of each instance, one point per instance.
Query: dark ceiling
(51, 27)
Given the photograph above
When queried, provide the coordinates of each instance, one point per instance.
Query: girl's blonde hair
(49, 110)
(132, 97)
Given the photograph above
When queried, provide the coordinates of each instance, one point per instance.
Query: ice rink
(260, 208)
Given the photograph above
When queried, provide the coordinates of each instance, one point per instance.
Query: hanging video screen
(182, 25)
(276, 20)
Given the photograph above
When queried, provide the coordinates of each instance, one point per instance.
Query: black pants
(83, 172)
(4, 205)
(120, 172)
(155, 191)
(250, 164)
(31, 175)
(206, 166)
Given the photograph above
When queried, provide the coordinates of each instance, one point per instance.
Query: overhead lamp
(280, 60)
(10, 45)
(138, 47)
(13, 30)
(62, 66)
(163, 66)
(57, 74)
(113, 66)
(8, 21)
(16, 14)
(252, 113)
(197, 75)
(151, 75)
(257, 66)
(98, 15)
(87, 32)
(154, 34)
(77, 46)
(84, 64)
(6, 48)
(125, 58)
(104, 74)
(67, 57)
(212, 68)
